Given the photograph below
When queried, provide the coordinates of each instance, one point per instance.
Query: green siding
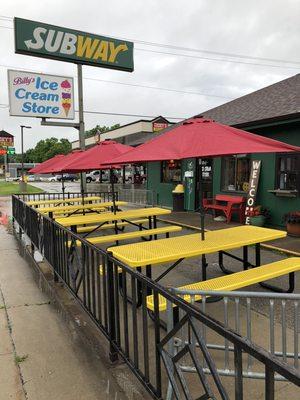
(289, 133)
(163, 191)
(278, 205)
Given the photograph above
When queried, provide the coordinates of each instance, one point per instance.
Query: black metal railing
(115, 297)
(105, 196)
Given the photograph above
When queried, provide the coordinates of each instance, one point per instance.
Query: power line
(134, 84)
(158, 88)
(115, 114)
(217, 59)
(129, 115)
(183, 48)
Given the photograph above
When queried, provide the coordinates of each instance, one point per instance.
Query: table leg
(271, 287)
(150, 225)
(221, 264)
(204, 267)
(154, 225)
(245, 257)
(257, 255)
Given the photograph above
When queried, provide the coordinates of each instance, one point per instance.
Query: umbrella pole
(113, 190)
(82, 190)
(63, 186)
(202, 212)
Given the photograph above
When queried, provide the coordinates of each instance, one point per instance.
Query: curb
(264, 246)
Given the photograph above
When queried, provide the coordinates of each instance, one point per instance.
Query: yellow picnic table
(176, 249)
(101, 219)
(40, 203)
(180, 247)
(73, 209)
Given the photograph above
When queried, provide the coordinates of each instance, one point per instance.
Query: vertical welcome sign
(253, 185)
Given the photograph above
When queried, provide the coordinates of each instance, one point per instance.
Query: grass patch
(9, 188)
(20, 359)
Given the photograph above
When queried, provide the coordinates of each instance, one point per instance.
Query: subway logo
(43, 40)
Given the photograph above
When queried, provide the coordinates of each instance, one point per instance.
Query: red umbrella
(61, 165)
(101, 153)
(39, 169)
(97, 155)
(201, 137)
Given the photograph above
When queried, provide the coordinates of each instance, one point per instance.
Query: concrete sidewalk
(38, 357)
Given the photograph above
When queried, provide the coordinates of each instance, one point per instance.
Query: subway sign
(49, 41)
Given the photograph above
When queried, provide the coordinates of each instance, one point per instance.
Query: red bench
(228, 204)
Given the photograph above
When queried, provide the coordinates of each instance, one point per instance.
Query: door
(205, 167)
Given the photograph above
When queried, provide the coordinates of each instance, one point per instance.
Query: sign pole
(6, 164)
(81, 121)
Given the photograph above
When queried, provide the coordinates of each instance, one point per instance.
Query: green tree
(101, 129)
(47, 148)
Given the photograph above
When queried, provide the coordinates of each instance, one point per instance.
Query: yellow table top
(62, 201)
(187, 246)
(107, 217)
(75, 207)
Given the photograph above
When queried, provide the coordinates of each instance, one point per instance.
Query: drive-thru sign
(50, 41)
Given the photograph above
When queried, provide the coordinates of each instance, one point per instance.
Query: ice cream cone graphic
(66, 96)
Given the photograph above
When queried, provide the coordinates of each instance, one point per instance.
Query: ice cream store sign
(39, 95)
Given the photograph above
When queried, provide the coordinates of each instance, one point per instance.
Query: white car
(94, 176)
(52, 179)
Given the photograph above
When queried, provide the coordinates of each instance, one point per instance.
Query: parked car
(64, 177)
(30, 178)
(94, 176)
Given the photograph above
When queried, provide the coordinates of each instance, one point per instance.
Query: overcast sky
(267, 29)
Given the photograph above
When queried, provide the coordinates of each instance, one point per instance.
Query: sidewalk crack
(9, 325)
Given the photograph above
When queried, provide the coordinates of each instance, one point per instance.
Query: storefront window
(288, 172)
(171, 171)
(235, 173)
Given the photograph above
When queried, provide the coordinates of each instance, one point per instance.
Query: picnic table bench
(75, 209)
(238, 280)
(227, 204)
(40, 203)
(131, 235)
(103, 219)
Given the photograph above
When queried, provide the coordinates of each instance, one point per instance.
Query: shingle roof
(278, 101)
(5, 134)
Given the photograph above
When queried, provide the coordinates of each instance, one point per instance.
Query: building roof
(278, 101)
(5, 134)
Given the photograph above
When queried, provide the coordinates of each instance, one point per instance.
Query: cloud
(267, 29)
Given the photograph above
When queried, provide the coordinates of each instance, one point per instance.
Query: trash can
(178, 198)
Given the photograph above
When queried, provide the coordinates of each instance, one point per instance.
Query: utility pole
(81, 121)
(23, 183)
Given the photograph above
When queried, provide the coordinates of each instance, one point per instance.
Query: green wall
(289, 133)
(163, 190)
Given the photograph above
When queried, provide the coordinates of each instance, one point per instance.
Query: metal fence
(105, 195)
(138, 196)
(115, 297)
(270, 320)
